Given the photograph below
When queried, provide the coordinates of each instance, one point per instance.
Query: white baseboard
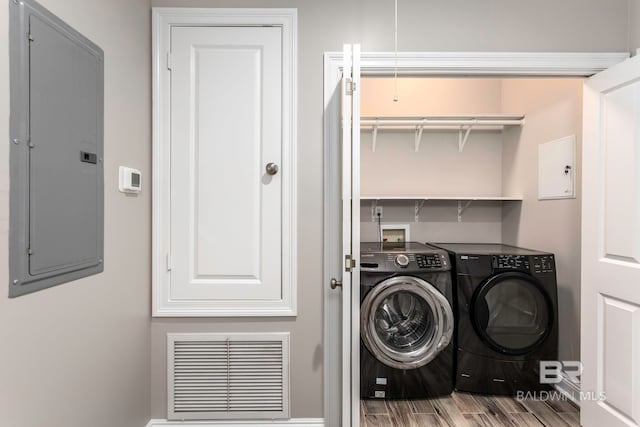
(294, 422)
(569, 388)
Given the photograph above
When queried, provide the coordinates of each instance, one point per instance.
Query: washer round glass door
(405, 322)
(512, 313)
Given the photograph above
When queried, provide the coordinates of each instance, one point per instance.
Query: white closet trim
(487, 63)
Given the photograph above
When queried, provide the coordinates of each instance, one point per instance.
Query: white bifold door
(351, 236)
(611, 248)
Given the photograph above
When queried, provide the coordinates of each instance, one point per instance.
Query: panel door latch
(349, 263)
(88, 157)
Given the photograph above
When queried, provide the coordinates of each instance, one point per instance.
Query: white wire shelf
(454, 198)
(418, 202)
(462, 124)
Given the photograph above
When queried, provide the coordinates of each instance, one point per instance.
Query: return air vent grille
(222, 376)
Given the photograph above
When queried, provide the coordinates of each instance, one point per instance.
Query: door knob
(272, 168)
(335, 283)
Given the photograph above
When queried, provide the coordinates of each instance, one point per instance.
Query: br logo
(551, 371)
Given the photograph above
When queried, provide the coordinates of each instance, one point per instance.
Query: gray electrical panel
(57, 194)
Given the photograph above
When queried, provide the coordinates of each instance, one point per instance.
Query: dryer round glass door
(512, 313)
(405, 322)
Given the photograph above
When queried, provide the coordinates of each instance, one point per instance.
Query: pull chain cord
(395, 69)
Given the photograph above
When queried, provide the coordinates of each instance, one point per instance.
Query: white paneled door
(611, 248)
(226, 170)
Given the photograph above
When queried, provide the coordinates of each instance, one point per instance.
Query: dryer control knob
(402, 260)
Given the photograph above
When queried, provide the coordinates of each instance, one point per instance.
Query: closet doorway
(505, 87)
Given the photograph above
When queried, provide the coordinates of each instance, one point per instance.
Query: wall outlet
(377, 210)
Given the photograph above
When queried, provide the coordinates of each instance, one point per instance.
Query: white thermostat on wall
(130, 180)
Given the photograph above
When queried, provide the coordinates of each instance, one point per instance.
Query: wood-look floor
(467, 410)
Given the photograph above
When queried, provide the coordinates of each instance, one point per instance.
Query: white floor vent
(228, 376)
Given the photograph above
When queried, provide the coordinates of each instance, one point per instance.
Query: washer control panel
(430, 260)
(414, 261)
(404, 261)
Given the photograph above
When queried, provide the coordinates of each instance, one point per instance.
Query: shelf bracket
(374, 205)
(462, 140)
(374, 137)
(416, 209)
(418, 138)
(462, 208)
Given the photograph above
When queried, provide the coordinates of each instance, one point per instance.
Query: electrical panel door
(57, 154)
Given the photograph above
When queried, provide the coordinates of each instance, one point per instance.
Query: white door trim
(164, 18)
(417, 63)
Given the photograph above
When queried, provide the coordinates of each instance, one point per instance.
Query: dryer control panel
(528, 263)
(543, 264)
(511, 262)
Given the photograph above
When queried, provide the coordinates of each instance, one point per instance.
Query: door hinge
(349, 263)
(30, 37)
(29, 251)
(168, 262)
(350, 86)
(168, 60)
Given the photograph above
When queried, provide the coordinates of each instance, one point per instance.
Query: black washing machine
(506, 314)
(406, 321)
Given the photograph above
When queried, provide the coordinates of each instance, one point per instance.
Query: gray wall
(553, 109)
(438, 168)
(77, 355)
(396, 169)
(438, 221)
(470, 25)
